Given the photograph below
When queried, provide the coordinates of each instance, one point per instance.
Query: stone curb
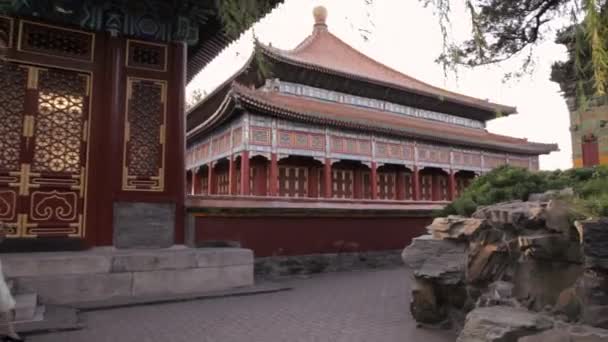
(118, 303)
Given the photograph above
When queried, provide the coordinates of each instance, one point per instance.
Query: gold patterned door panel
(13, 89)
(51, 175)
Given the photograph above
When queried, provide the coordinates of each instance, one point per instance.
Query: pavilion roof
(340, 115)
(323, 51)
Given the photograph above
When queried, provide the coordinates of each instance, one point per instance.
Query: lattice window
(342, 183)
(223, 183)
(144, 135)
(409, 189)
(13, 82)
(387, 185)
(443, 184)
(426, 187)
(204, 183)
(146, 55)
(366, 177)
(60, 122)
(293, 181)
(56, 41)
(6, 32)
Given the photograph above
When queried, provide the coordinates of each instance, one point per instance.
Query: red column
(374, 181)
(245, 173)
(357, 183)
(400, 185)
(327, 178)
(416, 184)
(452, 185)
(210, 179)
(232, 175)
(273, 175)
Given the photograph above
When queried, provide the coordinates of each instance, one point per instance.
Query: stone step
(25, 307)
(101, 274)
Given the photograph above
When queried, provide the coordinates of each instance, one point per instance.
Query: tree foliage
(504, 29)
(508, 183)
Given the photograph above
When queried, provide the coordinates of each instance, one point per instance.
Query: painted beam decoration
(315, 141)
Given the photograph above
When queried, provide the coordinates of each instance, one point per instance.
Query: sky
(405, 36)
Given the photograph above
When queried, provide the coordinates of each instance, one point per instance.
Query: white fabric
(7, 302)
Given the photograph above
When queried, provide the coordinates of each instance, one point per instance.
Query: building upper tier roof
(323, 51)
(313, 111)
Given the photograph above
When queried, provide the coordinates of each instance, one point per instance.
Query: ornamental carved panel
(301, 140)
(388, 150)
(260, 135)
(221, 144)
(55, 180)
(466, 159)
(6, 33)
(144, 55)
(56, 41)
(435, 155)
(13, 82)
(60, 122)
(519, 161)
(237, 136)
(346, 145)
(493, 161)
(144, 151)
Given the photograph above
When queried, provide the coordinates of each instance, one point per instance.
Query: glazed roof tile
(325, 52)
(338, 114)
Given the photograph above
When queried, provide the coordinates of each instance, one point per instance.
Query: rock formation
(514, 270)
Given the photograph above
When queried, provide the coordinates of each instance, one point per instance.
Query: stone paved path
(366, 306)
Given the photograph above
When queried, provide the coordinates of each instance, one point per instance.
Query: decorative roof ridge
(396, 79)
(286, 56)
(222, 85)
(252, 96)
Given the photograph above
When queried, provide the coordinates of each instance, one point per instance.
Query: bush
(508, 183)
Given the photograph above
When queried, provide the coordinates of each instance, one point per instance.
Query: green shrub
(508, 183)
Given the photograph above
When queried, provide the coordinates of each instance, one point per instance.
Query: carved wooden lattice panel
(6, 32)
(13, 83)
(56, 41)
(144, 152)
(43, 132)
(56, 177)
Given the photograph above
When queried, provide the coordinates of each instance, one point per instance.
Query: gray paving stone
(365, 306)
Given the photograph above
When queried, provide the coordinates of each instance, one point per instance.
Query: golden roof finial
(320, 15)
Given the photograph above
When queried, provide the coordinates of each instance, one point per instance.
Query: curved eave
(238, 98)
(494, 110)
(224, 112)
(320, 119)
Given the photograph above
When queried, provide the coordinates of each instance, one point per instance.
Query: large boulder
(595, 244)
(514, 215)
(569, 333)
(438, 272)
(551, 194)
(455, 227)
(424, 247)
(502, 324)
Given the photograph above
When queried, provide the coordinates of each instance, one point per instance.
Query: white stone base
(106, 273)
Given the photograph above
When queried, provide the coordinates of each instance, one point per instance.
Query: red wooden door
(591, 153)
(44, 163)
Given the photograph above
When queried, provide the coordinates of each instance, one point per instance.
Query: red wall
(270, 235)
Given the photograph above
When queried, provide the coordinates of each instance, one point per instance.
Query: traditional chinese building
(589, 133)
(332, 148)
(91, 118)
